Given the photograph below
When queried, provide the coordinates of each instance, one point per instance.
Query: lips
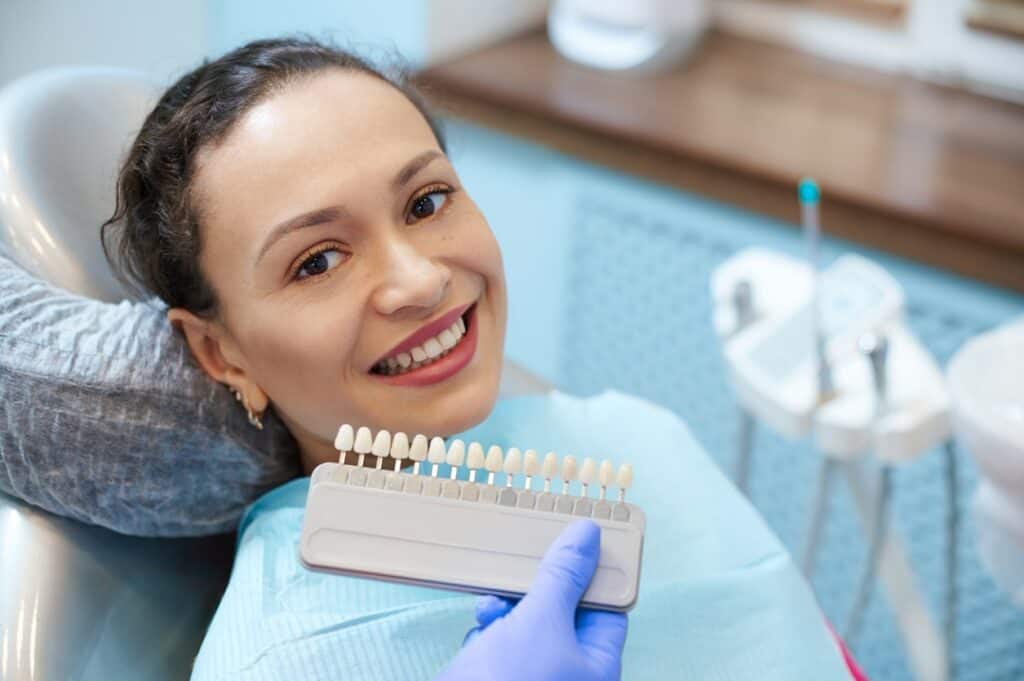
(450, 363)
(426, 332)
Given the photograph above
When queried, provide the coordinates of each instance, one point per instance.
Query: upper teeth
(432, 349)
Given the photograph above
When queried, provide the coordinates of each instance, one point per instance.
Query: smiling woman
(298, 213)
(315, 246)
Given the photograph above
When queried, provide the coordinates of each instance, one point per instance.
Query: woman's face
(334, 229)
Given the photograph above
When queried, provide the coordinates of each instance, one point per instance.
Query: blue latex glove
(543, 636)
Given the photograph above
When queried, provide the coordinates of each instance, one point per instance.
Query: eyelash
(427, 191)
(331, 246)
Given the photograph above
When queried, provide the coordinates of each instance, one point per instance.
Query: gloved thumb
(566, 570)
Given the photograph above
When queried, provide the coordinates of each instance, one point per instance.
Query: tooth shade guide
(511, 463)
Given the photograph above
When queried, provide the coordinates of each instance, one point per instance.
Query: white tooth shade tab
(400, 446)
(456, 453)
(624, 479)
(345, 438)
(513, 461)
(475, 456)
(436, 453)
(588, 470)
(381, 444)
(493, 461)
(418, 450)
(568, 468)
(549, 468)
(364, 441)
(531, 464)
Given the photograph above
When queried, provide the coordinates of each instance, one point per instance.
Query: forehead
(310, 138)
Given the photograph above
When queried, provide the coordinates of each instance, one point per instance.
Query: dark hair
(153, 238)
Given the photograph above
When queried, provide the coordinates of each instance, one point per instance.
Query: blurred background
(625, 152)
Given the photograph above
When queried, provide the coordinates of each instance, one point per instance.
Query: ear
(207, 343)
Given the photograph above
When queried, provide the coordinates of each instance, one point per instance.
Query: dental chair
(79, 601)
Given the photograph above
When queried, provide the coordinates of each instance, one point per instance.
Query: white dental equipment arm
(790, 339)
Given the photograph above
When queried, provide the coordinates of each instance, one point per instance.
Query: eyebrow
(322, 215)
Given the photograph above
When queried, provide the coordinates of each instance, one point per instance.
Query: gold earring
(254, 418)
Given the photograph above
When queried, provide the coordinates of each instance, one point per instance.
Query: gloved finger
(601, 633)
(490, 608)
(566, 569)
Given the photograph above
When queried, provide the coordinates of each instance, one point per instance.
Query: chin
(466, 409)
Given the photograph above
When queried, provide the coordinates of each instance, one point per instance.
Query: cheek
(295, 347)
(478, 251)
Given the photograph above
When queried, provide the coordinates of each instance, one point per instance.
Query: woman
(297, 211)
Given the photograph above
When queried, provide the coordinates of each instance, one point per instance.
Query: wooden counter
(928, 172)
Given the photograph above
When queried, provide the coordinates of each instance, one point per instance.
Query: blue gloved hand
(543, 636)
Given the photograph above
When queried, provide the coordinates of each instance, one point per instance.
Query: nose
(412, 281)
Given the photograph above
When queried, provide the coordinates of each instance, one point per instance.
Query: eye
(428, 204)
(318, 263)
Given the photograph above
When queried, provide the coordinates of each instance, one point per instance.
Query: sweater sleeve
(105, 418)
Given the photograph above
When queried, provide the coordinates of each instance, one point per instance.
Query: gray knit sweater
(105, 418)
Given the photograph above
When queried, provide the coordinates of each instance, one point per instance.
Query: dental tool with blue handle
(457, 532)
(809, 198)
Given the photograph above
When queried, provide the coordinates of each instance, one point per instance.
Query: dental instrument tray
(460, 533)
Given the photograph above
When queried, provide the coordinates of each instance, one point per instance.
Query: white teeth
(448, 339)
(624, 478)
(364, 441)
(436, 453)
(531, 464)
(456, 453)
(400, 446)
(568, 468)
(433, 348)
(418, 450)
(549, 468)
(511, 462)
(343, 442)
(475, 456)
(587, 471)
(381, 444)
(493, 461)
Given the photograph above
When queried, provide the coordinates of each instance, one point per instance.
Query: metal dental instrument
(809, 198)
(876, 348)
(743, 305)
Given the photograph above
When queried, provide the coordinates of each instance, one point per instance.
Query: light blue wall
(536, 201)
(371, 28)
(168, 39)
